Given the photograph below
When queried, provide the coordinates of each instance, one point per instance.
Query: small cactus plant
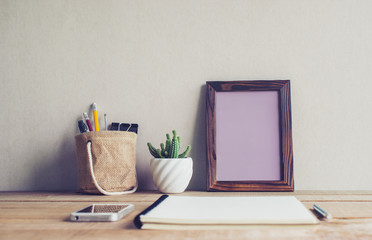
(170, 149)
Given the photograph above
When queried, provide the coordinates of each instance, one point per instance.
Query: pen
(85, 115)
(105, 122)
(82, 127)
(322, 212)
(95, 114)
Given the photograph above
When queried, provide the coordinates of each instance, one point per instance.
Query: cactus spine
(171, 148)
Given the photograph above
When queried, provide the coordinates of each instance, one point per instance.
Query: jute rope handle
(100, 189)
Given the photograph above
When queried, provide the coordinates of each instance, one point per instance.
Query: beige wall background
(148, 61)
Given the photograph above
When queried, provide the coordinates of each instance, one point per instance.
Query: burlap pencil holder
(107, 162)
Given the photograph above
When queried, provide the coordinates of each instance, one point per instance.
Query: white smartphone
(101, 213)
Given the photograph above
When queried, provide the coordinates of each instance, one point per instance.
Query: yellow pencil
(95, 114)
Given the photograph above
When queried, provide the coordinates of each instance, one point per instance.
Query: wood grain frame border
(285, 127)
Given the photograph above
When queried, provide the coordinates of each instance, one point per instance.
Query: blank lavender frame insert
(249, 136)
(247, 142)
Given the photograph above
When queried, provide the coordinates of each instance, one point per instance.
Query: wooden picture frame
(249, 136)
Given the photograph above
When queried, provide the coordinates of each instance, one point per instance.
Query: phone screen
(102, 209)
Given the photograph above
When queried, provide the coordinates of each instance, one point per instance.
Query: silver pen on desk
(322, 212)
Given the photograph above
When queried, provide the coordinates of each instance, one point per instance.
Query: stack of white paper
(179, 212)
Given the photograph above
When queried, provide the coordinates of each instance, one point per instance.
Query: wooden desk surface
(45, 215)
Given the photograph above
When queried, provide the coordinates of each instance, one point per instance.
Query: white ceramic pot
(171, 175)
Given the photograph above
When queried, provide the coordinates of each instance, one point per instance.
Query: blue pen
(322, 212)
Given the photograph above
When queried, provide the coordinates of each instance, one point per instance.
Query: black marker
(82, 127)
